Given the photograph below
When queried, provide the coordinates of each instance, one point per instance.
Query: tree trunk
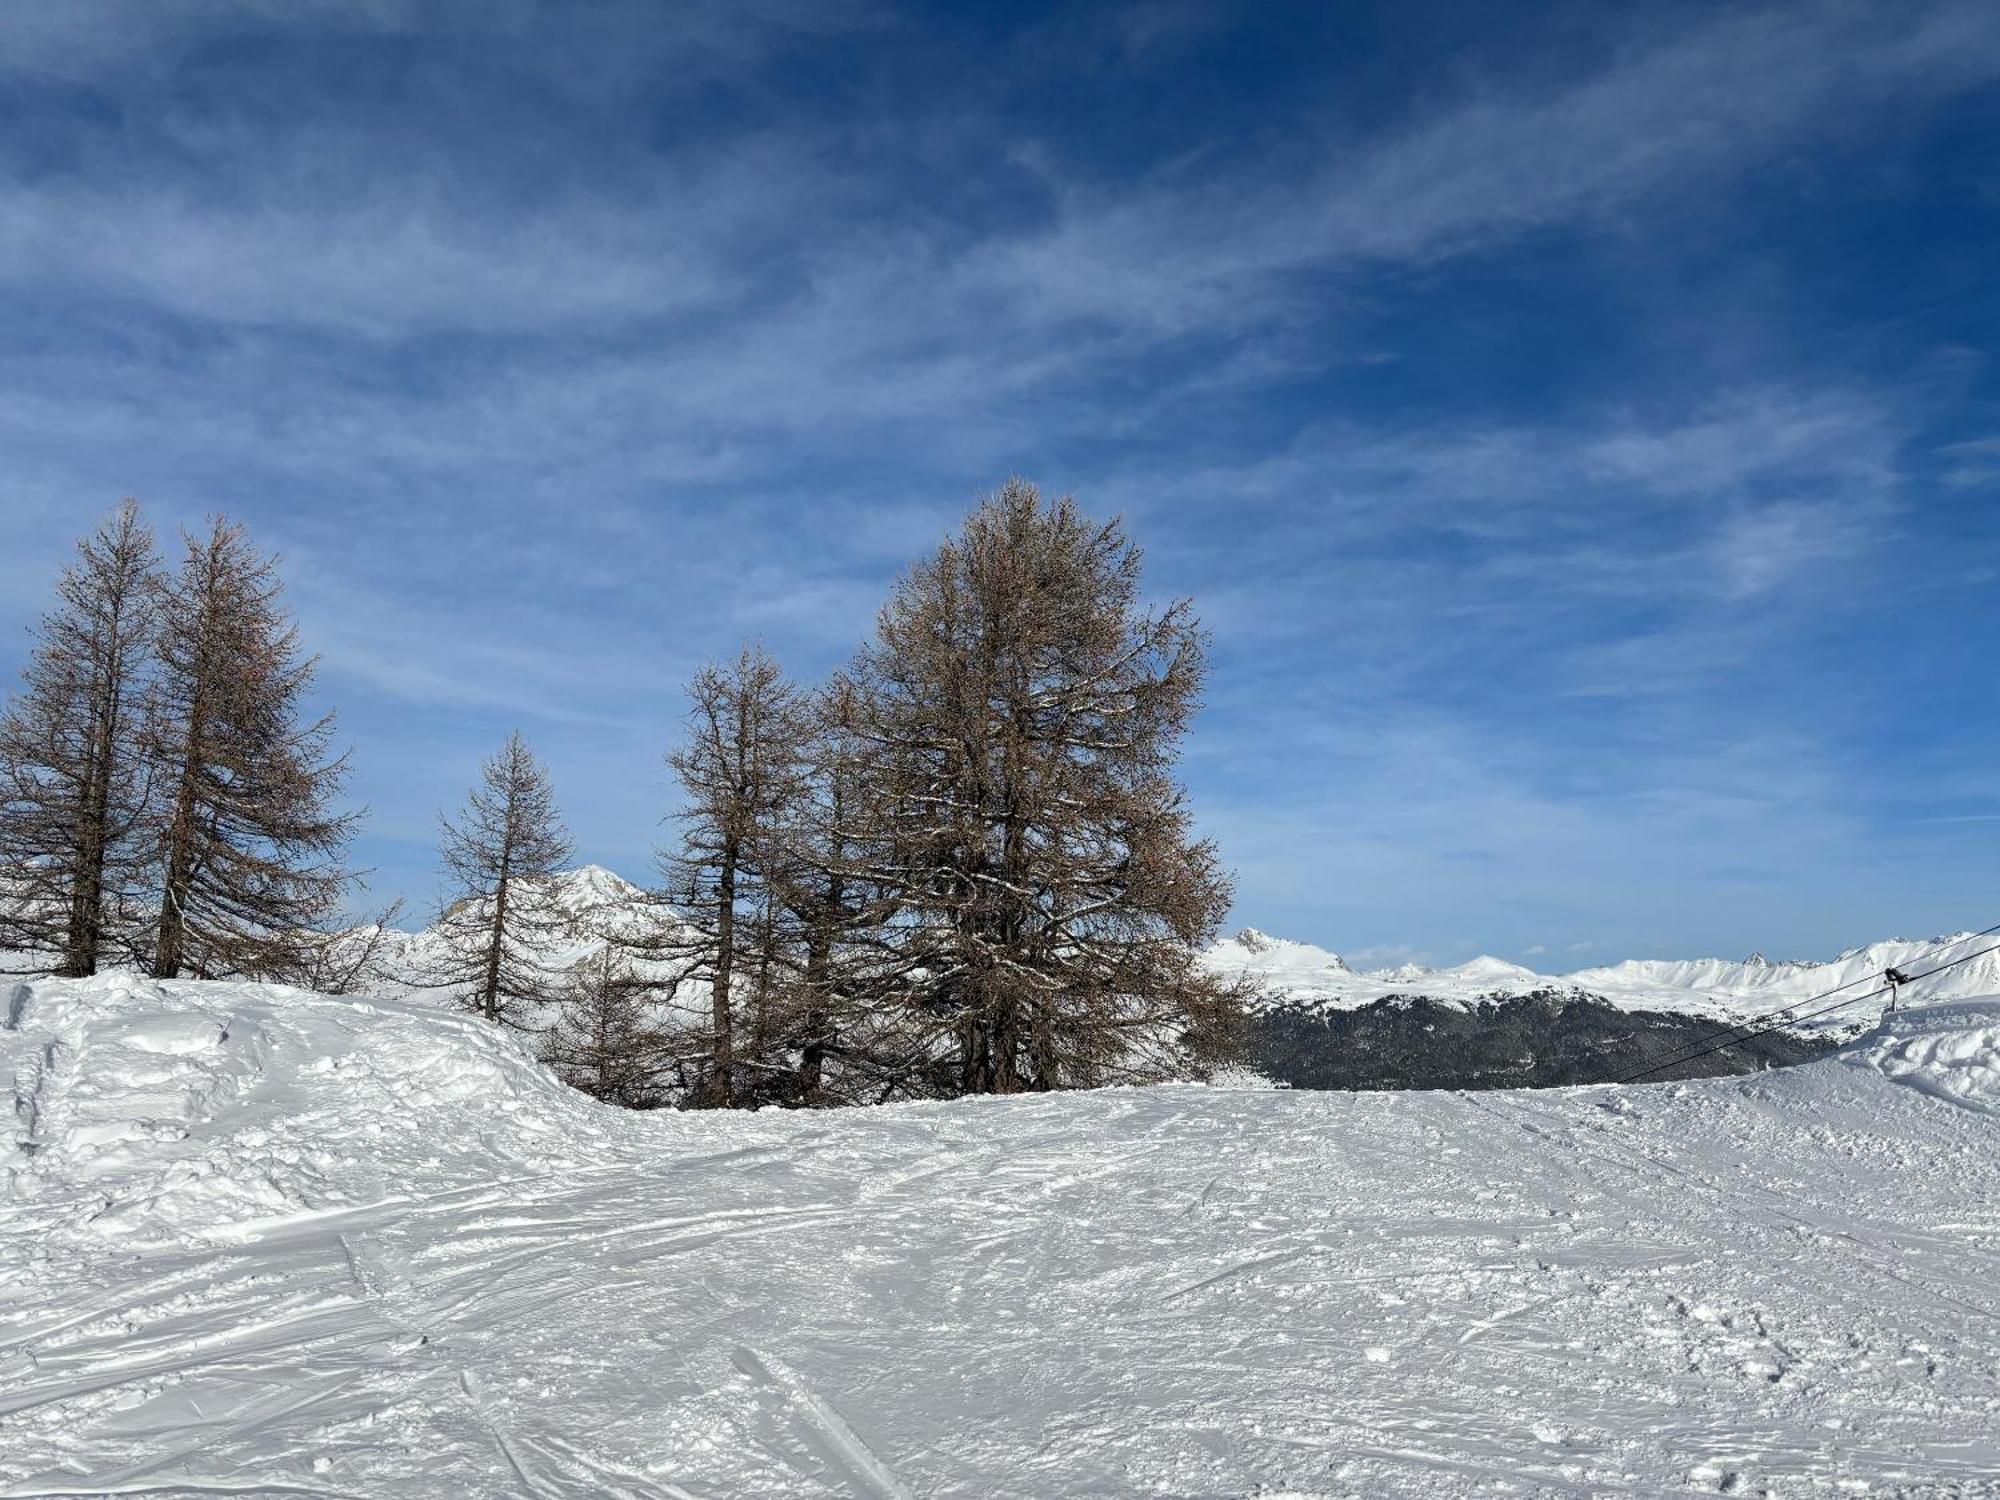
(167, 953)
(86, 912)
(86, 923)
(725, 942)
(489, 993)
(818, 1018)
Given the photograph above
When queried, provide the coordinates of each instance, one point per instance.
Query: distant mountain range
(1318, 1023)
(596, 900)
(1302, 975)
(1488, 1023)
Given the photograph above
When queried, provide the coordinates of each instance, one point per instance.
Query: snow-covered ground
(1715, 988)
(259, 1241)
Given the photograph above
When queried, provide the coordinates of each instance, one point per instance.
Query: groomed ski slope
(259, 1241)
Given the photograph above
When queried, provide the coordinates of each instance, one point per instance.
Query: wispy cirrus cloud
(561, 347)
(358, 225)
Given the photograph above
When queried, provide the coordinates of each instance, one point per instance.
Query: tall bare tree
(500, 856)
(841, 966)
(1026, 714)
(71, 771)
(740, 768)
(250, 856)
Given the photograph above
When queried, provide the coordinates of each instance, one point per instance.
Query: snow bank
(1950, 1051)
(156, 1110)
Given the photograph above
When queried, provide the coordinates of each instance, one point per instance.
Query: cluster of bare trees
(165, 798)
(962, 866)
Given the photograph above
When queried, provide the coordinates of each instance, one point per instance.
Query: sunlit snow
(261, 1240)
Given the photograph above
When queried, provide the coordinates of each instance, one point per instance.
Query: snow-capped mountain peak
(1403, 973)
(1486, 969)
(1259, 953)
(590, 888)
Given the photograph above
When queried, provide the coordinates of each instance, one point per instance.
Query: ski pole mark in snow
(603, 1477)
(828, 1433)
(530, 1483)
(1482, 1325)
(1241, 1268)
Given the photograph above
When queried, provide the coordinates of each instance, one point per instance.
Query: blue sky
(1578, 425)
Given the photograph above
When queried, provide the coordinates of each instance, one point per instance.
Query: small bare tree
(605, 1040)
(499, 857)
(249, 857)
(353, 959)
(71, 770)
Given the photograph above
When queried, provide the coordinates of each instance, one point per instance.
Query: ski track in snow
(368, 1251)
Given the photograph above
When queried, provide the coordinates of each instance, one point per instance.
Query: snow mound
(1951, 1052)
(175, 1111)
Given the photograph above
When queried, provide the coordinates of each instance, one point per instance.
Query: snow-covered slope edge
(155, 1110)
(1950, 1051)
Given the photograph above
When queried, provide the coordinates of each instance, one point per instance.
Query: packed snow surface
(255, 1240)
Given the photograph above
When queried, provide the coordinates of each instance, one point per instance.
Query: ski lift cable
(1753, 1025)
(1674, 1062)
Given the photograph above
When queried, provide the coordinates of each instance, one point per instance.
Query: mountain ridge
(1287, 972)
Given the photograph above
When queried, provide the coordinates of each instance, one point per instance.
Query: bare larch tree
(840, 967)
(1026, 714)
(605, 1040)
(740, 768)
(499, 856)
(71, 770)
(249, 854)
